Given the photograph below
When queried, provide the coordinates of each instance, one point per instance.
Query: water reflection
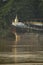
(15, 46)
(24, 42)
(23, 46)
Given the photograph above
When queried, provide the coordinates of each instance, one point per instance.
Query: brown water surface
(26, 47)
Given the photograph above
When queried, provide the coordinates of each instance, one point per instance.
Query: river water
(27, 47)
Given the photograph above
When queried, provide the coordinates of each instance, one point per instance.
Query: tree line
(25, 9)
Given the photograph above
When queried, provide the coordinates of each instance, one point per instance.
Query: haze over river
(27, 47)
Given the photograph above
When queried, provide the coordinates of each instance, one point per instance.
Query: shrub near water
(6, 34)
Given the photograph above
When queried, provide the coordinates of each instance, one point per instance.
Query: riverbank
(6, 33)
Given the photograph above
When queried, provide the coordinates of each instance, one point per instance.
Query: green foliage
(25, 9)
(6, 8)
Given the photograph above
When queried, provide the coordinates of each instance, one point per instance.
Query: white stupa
(19, 24)
(15, 21)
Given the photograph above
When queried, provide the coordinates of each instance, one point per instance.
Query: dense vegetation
(25, 9)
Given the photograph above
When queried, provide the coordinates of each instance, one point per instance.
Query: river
(27, 47)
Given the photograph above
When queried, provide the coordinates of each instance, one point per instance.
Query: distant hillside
(25, 9)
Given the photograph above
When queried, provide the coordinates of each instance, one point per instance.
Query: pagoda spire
(16, 19)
